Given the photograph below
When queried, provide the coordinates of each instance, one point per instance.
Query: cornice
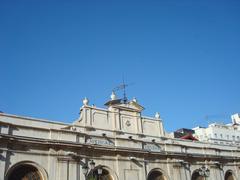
(57, 144)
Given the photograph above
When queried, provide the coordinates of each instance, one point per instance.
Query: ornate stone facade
(116, 143)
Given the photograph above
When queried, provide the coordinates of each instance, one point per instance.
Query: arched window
(24, 172)
(100, 173)
(201, 174)
(229, 176)
(197, 176)
(156, 175)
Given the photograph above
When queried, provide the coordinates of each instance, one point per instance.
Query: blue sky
(182, 56)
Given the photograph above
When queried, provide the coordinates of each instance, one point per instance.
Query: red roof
(189, 137)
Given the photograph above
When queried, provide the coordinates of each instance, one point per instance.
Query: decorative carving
(85, 101)
(152, 147)
(128, 123)
(99, 141)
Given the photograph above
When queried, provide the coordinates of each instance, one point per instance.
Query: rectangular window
(227, 136)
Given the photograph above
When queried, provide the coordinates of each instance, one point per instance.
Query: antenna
(124, 92)
(122, 87)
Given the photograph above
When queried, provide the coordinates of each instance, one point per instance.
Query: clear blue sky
(182, 56)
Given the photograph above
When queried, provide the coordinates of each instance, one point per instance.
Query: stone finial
(113, 96)
(85, 101)
(134, 100)
(157, 115)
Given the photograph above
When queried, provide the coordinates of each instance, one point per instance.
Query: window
(25, 171)
(233, 137)
(221, 136)
(215, 135)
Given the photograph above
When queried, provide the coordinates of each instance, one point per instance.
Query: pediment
(131, 106)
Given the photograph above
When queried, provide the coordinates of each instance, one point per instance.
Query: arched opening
(24, 172)
(100, 174)
(156, 175)
(197, 176)
(229, 176)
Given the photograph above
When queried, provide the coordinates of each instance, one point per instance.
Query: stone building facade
(116, 143)
(219, 133)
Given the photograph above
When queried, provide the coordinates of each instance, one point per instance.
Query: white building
(224, 134)
(116, 143)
